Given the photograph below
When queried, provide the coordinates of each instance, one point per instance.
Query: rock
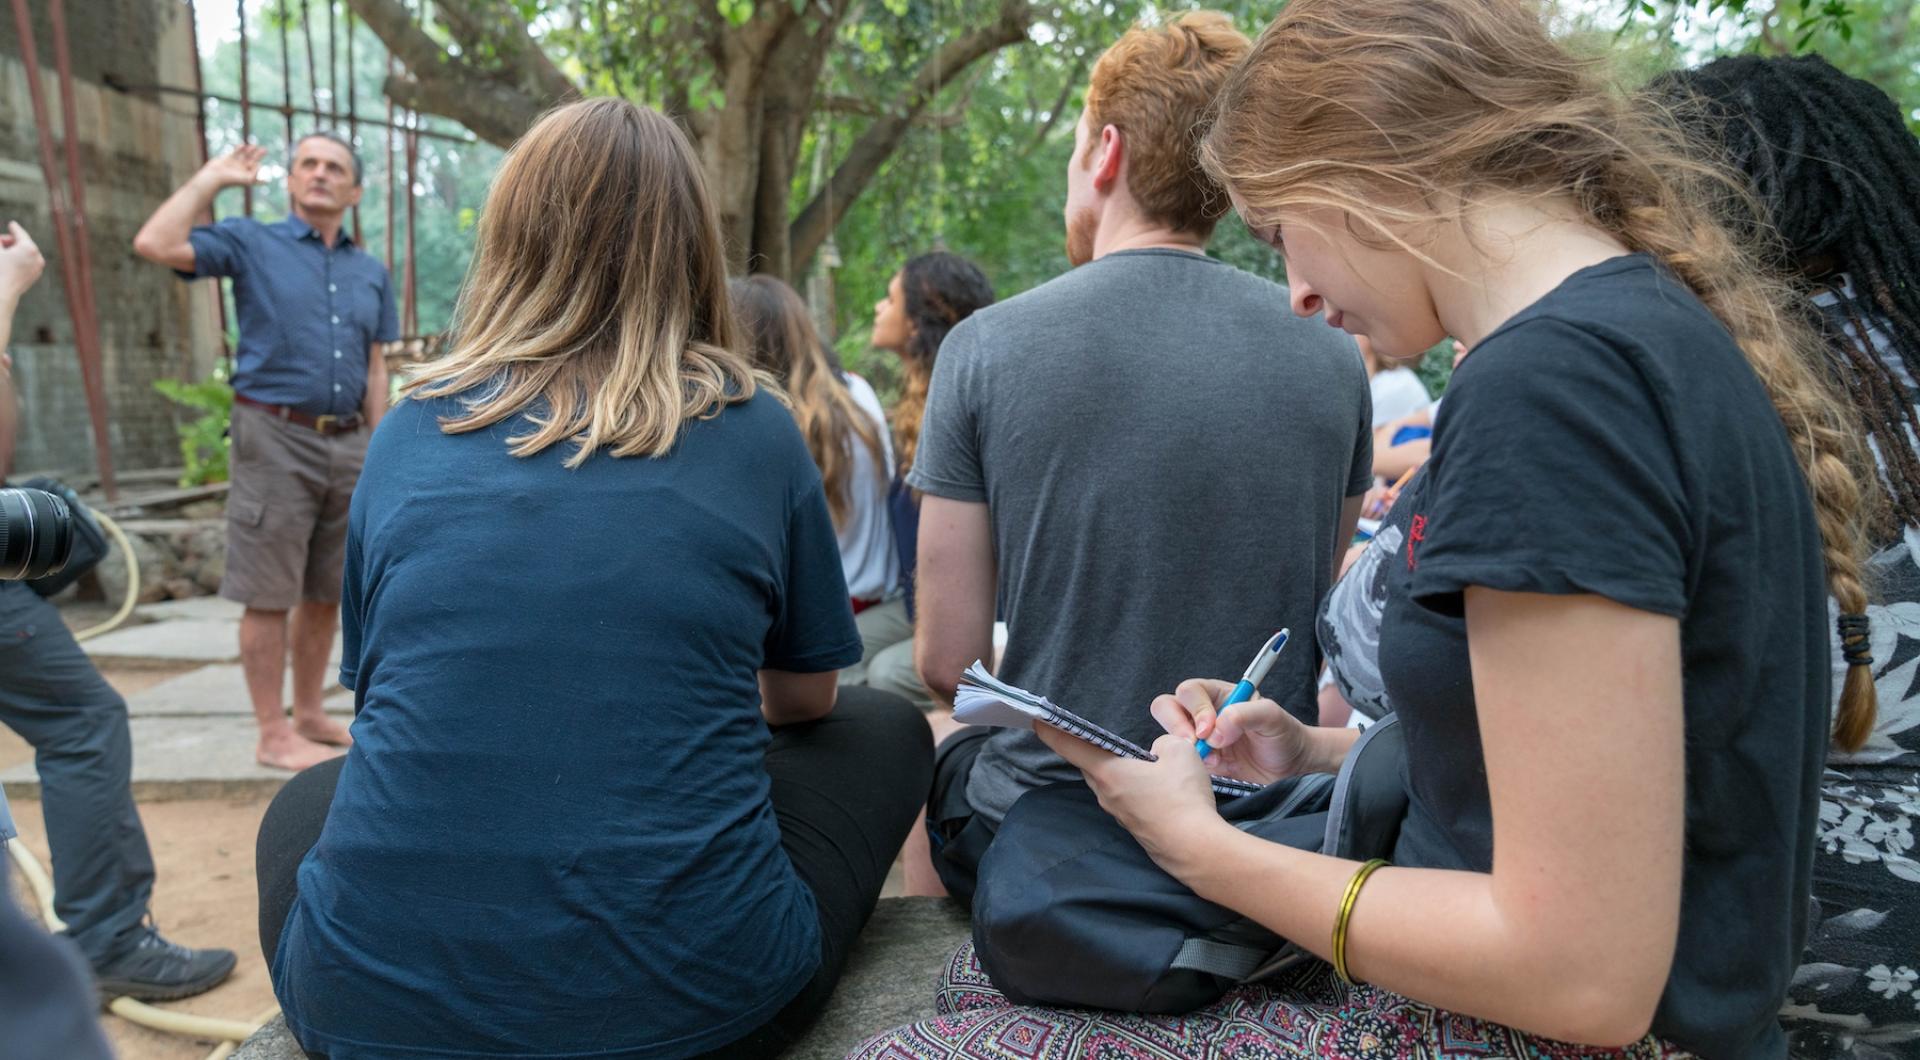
(271, 1042)
(211, 570)
(888, 981)
(156, 564)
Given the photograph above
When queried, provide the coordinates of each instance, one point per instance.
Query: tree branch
(866, 108)
(871, 150)
(479, 25)
(497, 86)
(1059, 104)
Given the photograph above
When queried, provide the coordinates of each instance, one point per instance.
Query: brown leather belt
(327, 425)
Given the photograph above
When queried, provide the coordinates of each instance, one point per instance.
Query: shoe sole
(109, 989)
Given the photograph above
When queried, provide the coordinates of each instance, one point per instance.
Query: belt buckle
(326, 424)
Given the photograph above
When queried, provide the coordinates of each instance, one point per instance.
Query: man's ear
(1108, 158)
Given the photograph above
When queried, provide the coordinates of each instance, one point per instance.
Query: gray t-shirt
(1163, 448)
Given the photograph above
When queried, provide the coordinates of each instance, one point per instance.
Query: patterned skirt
(1307, 1012)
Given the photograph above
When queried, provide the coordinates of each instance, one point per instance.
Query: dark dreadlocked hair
(1835, 166)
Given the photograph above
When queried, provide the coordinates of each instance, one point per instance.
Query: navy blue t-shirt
(552, 835)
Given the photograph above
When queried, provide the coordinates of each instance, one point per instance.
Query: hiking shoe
(158, 970)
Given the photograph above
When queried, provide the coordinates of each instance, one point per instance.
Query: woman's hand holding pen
(1255, 741)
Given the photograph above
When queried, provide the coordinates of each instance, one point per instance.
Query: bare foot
(323, 730)
(292, 751)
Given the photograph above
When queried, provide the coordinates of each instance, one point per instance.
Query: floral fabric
(1855, 996)
(1306, 1012)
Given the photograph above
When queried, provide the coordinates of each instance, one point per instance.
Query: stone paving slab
(179, 640)
(213, 608)
(187, 758)
(210, 690)
(175, 640)
(888, 982)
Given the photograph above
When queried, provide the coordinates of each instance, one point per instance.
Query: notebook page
(983, 699)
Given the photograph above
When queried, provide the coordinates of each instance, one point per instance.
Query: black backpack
(1071, 911)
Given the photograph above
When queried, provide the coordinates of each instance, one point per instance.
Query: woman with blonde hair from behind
(1607, 643)
(589, 566)
(841, 419)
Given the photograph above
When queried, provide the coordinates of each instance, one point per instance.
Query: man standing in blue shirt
(309, 382)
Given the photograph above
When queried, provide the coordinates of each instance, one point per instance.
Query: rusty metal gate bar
(246, 110)
(200, 127)
(69, 227)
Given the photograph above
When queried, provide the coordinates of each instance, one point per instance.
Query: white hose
(133, 580)
(39, 883)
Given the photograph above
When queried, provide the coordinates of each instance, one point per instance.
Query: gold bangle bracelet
(1346, 913)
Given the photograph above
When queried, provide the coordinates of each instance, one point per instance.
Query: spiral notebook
(983, 699)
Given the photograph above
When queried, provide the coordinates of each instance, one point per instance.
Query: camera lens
(36, 534)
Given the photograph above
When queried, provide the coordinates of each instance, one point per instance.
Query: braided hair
(1834, 164)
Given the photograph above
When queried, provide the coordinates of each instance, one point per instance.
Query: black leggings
(846, 790)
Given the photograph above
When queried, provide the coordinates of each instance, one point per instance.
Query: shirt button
(336, 355)
(336, 388)
(331, 288)
(336, 320)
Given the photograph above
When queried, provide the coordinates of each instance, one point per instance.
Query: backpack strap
(1223, 959)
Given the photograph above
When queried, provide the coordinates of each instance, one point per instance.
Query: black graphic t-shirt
(1611, 439)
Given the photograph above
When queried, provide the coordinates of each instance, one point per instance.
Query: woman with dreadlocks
(1834, 164)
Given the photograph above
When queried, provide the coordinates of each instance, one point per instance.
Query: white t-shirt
(867, 552)
(1397, 392)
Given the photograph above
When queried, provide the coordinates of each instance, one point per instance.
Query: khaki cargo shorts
(287, 510)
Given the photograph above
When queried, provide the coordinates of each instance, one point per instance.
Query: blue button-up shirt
(309, 314)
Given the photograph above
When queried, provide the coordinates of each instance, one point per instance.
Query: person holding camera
(308, 380)
(51, 694)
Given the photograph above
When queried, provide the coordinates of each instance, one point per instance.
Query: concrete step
(216, 690)
(203, 629)
(198, 757)
(888, 981)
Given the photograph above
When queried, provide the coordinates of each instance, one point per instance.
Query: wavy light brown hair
(1150, 85)
(596, 302)
(1405, 112)
(782, 342)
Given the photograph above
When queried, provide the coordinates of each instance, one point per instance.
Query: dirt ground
(203, 894)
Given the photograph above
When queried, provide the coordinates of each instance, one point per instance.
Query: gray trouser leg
(51, 694)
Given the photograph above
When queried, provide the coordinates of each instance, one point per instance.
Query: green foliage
(984, 174)
(203, 439)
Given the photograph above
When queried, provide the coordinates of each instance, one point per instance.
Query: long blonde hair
(1389, 108)
(783, 343)
(596, 302)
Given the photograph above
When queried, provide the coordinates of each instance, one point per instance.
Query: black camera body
(47, 537)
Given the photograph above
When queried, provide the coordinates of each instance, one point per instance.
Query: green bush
(203, 439)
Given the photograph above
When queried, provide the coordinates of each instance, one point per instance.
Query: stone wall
(135, 148)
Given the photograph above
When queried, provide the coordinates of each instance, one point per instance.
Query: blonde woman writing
(1607, 636)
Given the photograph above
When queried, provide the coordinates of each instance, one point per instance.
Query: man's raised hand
(240, 166)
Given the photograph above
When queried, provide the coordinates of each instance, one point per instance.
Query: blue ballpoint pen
(1249, 681)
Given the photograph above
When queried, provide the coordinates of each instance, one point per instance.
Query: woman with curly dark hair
(925, 299)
